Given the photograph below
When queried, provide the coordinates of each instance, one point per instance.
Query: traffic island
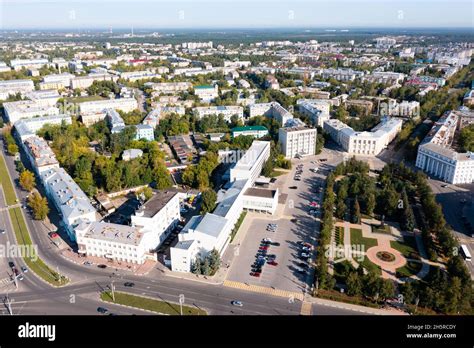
(149, 304)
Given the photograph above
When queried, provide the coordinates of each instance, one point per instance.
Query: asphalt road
(87, 282)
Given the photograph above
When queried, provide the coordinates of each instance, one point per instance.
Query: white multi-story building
(12, 87)
(97, 106)
(157, 217)
(316, 109)
(112, 241)
(341, 74)
(15, 111)
(47, 97)
(40, 154)
(68, 198)
(139, 75)
(18, 64)
(145, 131)
(226, 111)
(83, 82)
(251, 164)
(206, 93)
(297, 139)
(56, 81)
(438, 158)
(364, 143)
(212, 231)
(26, 128)
(385, 42)
(273, 110)
(387, 77)
(169, 87)
(114, 120)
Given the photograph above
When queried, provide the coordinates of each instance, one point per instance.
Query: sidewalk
(353, 307)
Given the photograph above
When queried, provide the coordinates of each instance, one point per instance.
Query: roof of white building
(115, 233)
(157, 202)
(251, 156)
(67, 193)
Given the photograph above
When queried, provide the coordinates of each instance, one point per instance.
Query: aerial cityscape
(301, 169)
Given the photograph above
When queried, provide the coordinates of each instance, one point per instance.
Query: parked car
(305, 255)
(300, 271)
(293, 187)
(293, 220)
(237, 303)
(87, 263)
(24, 269)
(266, 240)
(303, 265)
(275, 244)
(255, 274)
(11, 264)
(263, 247)
(273, 263)
(2, 231)
(102, 310)
(102, 266)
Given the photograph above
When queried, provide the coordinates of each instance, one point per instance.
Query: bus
(465, 253)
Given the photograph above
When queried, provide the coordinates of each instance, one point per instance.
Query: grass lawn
(408, 247)
(34, 263)
(358, 239)
(370, 266)
(276, 173)
(7, 186)
(237, 225)
(378, 229)
(150, 304)
(411, 268)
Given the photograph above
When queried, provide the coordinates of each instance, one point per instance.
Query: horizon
(233, 14)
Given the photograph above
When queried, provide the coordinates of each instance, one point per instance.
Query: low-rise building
(145, 131)
(255, 131)
(26, 128)
(97, 106)
(12, 87)
(206, 93)
(226, 111)
(22, 109)
(169, 87)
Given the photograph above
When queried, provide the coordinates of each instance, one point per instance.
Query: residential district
(266, 177)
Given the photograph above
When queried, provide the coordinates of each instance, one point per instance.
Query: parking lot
(295, 225)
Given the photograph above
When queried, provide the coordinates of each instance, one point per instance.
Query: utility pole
(181, 301)
(112, 287)
(9, 305)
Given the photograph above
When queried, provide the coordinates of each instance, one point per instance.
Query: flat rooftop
(159, 200)
(258, 192)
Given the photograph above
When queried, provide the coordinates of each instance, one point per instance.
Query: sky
(163, 14)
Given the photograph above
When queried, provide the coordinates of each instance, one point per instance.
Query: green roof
(249, 128)
(204, 86)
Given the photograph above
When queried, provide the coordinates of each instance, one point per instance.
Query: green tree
(370, 205)
(209, 198)
(27, 180)
(356, 215)
(39, 205)
(354, 284)
(12, 149)
(162, 177)
(267, 169)
(147, 193)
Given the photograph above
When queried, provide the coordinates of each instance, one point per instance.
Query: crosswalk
(264, 290)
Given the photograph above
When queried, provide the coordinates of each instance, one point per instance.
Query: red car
(255, 274)
(273, 263)
(264, 247)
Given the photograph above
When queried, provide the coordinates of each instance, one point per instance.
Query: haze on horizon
(169, 14)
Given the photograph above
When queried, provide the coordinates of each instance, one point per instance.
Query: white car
(305, 255)
(237, 303)
(267, 240)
